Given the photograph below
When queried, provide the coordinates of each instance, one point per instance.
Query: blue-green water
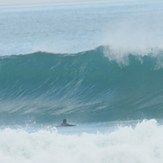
(85, 87)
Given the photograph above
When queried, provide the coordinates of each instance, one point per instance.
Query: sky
(28, 2)
(24, 2)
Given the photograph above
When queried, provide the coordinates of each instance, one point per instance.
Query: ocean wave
(86, 86)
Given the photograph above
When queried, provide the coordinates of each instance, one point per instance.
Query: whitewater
(98, 64)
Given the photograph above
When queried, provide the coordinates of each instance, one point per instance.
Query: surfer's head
(64, 121)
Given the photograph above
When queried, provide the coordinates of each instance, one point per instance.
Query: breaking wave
(86, 86)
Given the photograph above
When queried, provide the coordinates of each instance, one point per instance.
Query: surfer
(64, 123)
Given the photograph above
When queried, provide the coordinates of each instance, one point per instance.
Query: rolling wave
(87, 86)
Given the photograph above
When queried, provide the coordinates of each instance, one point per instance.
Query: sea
(99, 64)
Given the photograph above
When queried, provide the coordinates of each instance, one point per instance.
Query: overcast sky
(23, 2)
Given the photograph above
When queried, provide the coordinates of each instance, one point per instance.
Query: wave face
(86, 87)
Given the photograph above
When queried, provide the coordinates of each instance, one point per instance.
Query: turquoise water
(85, 87)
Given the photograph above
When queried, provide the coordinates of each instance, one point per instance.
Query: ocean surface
(98, 64)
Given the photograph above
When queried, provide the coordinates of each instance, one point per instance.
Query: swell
(87, 86)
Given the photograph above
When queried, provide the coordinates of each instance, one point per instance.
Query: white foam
(143, 143)
(138, 33)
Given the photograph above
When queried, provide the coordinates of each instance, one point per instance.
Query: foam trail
(142, 143)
